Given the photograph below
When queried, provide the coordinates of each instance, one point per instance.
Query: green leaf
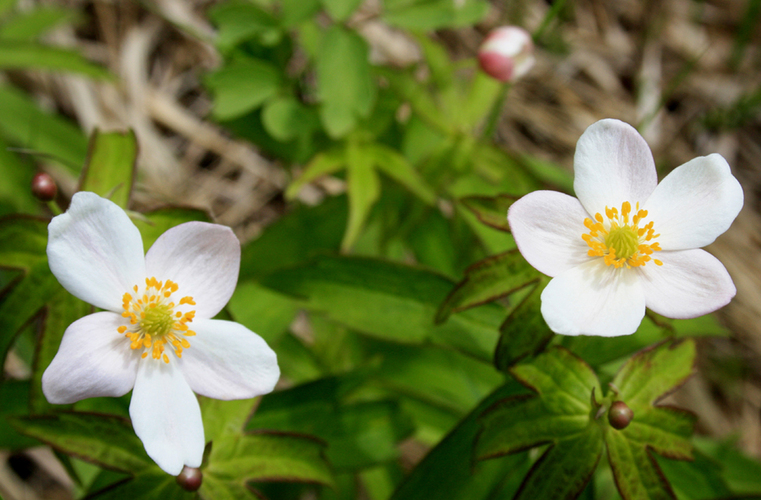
(398, 168)
(239, 21)
(26, 26)
(225, 418)
(345, 87)
(363, 186)
(111, 166)
(262, 310)
(491, 210)
(242, 86)
(104, 440)
(14, 174)
(146, 485)
(524, 332)
(154, 224)
(339, 10)
(14, 402)
(740, 472)
(389, 301)
(428, 15)
(699, 479)
(285, 118)
(30, 55)
(488, 280)
(637, 475)
(324, 163)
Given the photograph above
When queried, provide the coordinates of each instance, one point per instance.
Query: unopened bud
(44, 187)
(620, 415)
(507, 53)
(190, 478)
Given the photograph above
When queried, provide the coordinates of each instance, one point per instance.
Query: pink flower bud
(44, 187)
(507, 53)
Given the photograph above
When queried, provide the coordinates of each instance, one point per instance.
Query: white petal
(594, 299)
(547, 227)
(226, 360)
(695, 203)
(203, 259)
(690, 283)
(613, 164)
(166, 416)
(95, 251)
(93, 360)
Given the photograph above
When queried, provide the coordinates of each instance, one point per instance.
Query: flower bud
(190, 478)
(507, 53)
(620, 415)
(44, 187)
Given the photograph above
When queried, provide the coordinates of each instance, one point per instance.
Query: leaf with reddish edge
(560, 413)
(488, 280)
(491, 210)
(643, 381)
(524, 332)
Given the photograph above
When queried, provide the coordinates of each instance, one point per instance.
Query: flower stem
(496, 111)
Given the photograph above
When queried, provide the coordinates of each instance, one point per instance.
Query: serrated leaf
(242, 86)
(389, 301)
(146, 485)
(491, 210)
(699, 479)
(324, 163)
(635, 471)
(524, 332)
(16, 54)
(154, 224)
(104, 440)
(398, 168)
(488, 280)
(224, 418)
(111, 165)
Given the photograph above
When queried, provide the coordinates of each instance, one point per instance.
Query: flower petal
(613, 164)
(95, 251)
(226, 360)
(690, 283)
(547, 227)
(695, 203)
(166, 416)
(203, 259)
(594, 299)
(93, 360)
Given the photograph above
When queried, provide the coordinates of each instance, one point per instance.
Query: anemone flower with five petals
(628, 243)
(155, 335)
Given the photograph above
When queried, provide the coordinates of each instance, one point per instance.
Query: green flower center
(624, 240)
(158, 320)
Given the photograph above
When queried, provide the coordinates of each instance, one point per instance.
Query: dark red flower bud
(190, 478)
(44, 187)
(620, 415)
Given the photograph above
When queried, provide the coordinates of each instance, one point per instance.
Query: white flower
(507, 53)
(156, 334)
(627, 242)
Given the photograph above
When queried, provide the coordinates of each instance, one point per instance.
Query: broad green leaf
(225, 418)
(345, 87)
(565, 468)
(363, 186)
(105, 440)
(488, 280)
(339, 10)
(146, 485)
(547, 172)
(30, 55)
(448, 471)
(111, 166)
(491, 210)
(293, 12)
(154, 224)
(427, 15)
(389, 301)
(14, 402)
(699, 479)
(285, 118)
(482, 95)
(740, 472)
(26, 26)
(214, 488)
(398, 168)
(262, 310)
(242, 86)
(295, 238)
(654, 372)
(324, 163)
(239, 21)
(45, 134)
(524, 332)
(14, 174)
(637, 475)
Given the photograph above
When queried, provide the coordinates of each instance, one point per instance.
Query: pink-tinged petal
(93, 360)
(166, 416)
(226, 360)
(690, 283)
(203, 259)
(695, 203)
(547, 227)
(95, 251)
(594, 299)
(613, 164)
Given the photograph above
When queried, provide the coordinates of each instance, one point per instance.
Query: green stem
(496, 111)
(53, 206)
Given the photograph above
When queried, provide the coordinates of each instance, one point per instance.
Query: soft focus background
(687, 73)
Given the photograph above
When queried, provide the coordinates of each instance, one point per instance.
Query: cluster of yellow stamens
(620, 240)
(154, 324)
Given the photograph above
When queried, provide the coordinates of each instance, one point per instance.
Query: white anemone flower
(155, 335)
(628, 243)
